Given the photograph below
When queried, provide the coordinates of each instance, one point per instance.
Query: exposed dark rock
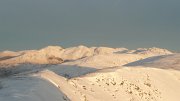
(55, 60)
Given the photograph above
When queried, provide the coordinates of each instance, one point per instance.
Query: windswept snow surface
(120, 84)
(21, 86)
(26, 88)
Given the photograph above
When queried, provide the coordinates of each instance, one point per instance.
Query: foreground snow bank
(115, 84)
(26, 88)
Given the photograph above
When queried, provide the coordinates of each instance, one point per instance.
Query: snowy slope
(166, 61)
(110, 57)
(27, 88)
(19, 85)
(78, 52)
(120, 84)
(108, 50)
(35, 56)
(154, 51)
(104, 61)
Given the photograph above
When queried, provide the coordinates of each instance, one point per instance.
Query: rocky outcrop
(54, 60)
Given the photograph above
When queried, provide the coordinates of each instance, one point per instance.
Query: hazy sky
(33, 24)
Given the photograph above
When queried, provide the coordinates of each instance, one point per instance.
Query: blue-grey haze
(33, 24)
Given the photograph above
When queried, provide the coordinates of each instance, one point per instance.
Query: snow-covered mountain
(154, 51)
(106, 60)
(80, 55)
(90, 74)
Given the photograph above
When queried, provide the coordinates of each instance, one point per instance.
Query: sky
(34, 24)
